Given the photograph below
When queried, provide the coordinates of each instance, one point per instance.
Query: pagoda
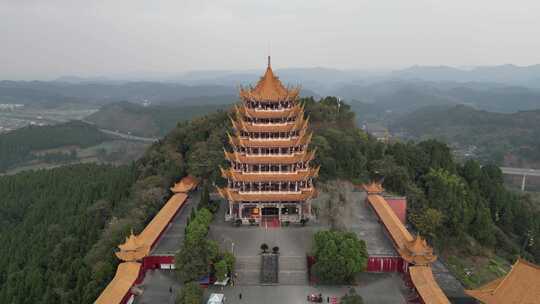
(270, 179)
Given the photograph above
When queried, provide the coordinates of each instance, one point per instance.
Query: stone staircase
(248, 269)
(293, 270)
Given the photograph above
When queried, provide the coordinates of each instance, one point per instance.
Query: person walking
(240, 296)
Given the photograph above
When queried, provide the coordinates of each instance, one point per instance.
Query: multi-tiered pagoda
(269, 179)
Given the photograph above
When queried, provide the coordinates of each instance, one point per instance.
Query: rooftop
(520, 286)
(125, 277)
(269, 88)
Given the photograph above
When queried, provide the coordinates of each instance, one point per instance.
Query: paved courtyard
(245, 240)
(159, 286)
(381, 288)
(294, 242)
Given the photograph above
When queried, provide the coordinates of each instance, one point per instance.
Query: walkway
(172, 238)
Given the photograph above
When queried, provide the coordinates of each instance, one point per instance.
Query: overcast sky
(44, 39)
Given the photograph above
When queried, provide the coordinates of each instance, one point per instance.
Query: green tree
(339, 256)
(205, 196)
(221, 270)
(447, 193)
(190, 293)
(427, 221)
(482, 227)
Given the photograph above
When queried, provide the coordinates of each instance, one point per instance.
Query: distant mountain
(150, 121)
(55, 92)
(495, 135)
(31, 92)
(403, 96)
(527, 76)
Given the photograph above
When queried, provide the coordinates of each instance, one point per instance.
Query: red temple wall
(399, 206)
(385, 264)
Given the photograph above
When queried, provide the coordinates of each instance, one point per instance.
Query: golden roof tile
(235, 196)
(269, 88)
(133, 249)
(285, 127)
(270, 159)
(373, 188)
(269, 176)
(126, 275)
(303, 139)
(521, 285)
(285, 113)
(426, 286)
(418, 252)
(185, 185)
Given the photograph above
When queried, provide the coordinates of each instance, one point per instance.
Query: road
(520, 171)
(128, 136)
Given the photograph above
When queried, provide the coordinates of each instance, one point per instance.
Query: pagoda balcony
(274, 192)
(235, 178)
(270, 139)
(259, 109)
(267, 196)
(302, 157)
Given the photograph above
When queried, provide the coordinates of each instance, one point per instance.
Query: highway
(520, 171)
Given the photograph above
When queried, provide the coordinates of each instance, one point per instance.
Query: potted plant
(264, 247)
(275, 250)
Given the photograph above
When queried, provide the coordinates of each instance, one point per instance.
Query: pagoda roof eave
(299, 124)
(520, 285)
(269, 177)
(303, 139)
(295, 110)
(234, 196)
(249, 159)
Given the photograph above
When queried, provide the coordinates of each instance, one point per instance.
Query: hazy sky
(43, 39)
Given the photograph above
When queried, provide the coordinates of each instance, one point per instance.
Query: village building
(270, 180)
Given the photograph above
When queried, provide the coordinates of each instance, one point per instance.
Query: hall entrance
(270, 217)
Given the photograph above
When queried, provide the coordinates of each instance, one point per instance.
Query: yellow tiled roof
(269, 88)
(299, 124)
(427, 288)
(398, 232)
(185, 184)
(270, 176)
(133, 249)
(283, 159)
(286, 113)
(303, 139)
(125, 277)
(152, 231)
(520, 286)
(235, 196)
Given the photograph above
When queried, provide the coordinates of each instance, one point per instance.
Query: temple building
(520, 286)
(270, 179)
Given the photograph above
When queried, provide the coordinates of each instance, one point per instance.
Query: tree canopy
(339, 256)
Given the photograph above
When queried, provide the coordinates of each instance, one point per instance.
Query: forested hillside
(49, 221)
(150, 121)
(494, 134)
(16, 147)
